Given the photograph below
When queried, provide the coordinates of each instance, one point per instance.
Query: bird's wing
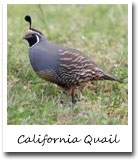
(77, 67)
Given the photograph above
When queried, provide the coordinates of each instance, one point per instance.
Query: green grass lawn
(101, 32)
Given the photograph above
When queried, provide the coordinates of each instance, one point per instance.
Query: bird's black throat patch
(32, 40)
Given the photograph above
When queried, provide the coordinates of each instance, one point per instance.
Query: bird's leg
(68, 92)
(73, 97)
(80, 89)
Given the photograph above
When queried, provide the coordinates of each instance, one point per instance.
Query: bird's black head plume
(28, 19)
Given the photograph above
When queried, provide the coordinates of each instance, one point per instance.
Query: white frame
(12, 132)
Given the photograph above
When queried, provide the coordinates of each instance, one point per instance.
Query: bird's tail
(108, 76)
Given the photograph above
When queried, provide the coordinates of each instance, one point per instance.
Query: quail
(67, 67)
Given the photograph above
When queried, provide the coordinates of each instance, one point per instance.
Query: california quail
(64, 66)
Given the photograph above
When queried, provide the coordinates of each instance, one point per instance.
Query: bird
(67, 67)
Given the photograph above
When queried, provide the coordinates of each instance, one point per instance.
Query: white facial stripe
(35, 32)
(38, 39)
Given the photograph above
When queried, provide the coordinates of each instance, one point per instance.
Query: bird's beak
(24, 37)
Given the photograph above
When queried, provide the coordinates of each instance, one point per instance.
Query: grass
(100, 31)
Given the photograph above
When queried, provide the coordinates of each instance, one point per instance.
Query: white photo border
(11, 133)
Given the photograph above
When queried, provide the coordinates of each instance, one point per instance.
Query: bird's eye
(33, 35)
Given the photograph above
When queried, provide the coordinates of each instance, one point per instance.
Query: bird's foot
(74, 100)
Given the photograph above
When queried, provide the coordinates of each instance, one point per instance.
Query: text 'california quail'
(64, 66)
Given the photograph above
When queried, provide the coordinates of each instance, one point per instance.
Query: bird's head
(33, 36)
